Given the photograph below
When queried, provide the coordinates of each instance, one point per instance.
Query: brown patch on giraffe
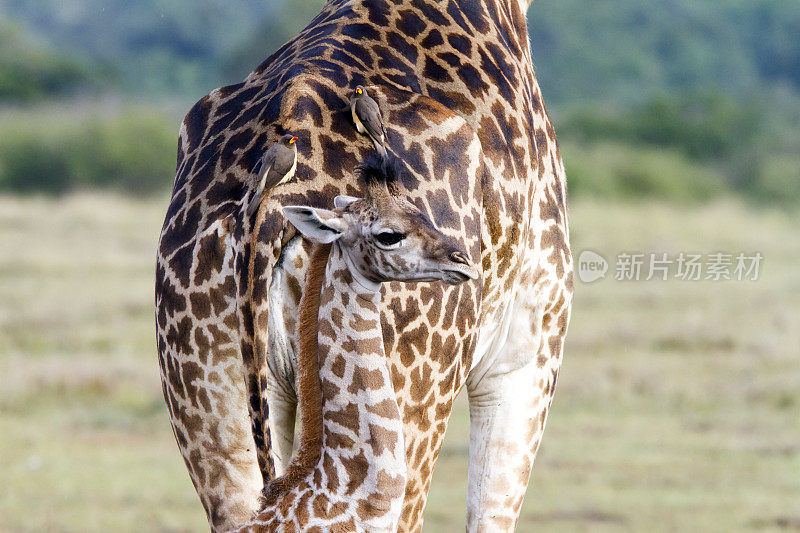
(366, 345)
(331, 473)
(319, 506)
(202, 343)
(382, 439)
(301, 509)
(356, 468)
(286, 503)
(201, 305)
(412, 342)
(336, 317)
(374, 506)
(339, 366)
(326, 329)
(417, 415)
(329, 389)
(386, 408)
(338, 440)
(295, 291)
(361, 325)
(367, 379)
(346, 417)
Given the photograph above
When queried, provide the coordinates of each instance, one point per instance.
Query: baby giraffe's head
(383, 236)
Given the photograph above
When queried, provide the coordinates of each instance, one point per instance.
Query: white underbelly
(492, 335)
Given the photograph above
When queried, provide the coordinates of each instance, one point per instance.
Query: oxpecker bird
(277, 166)
(367, 118)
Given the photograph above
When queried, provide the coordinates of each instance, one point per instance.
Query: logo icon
(591, 266)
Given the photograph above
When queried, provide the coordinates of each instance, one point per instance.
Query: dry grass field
(678, 405)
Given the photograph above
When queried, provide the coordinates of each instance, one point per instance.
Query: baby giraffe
(350, 471)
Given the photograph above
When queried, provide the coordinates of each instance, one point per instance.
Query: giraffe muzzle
(459, 270)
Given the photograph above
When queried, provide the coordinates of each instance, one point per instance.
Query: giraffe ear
(343, 201)
(318, 225)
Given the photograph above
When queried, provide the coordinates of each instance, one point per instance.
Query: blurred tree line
(680, 99)
(32, 70)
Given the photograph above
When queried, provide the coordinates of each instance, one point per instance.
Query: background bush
(131, 150)
(32, 70)
(610, 169)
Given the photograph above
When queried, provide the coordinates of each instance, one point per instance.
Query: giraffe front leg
(510, 392)
(284, 300)
(282, 413)
(211, 424)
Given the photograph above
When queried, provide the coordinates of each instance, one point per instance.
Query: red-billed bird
(367, 118)
(277, 166)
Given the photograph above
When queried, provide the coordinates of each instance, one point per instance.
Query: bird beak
(292, 140)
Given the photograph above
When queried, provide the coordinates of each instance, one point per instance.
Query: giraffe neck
(362, 430)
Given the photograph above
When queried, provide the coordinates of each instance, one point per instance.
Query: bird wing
(268, 159)
(284, 159)
(263, 178)
(266, 163)
(370, 115)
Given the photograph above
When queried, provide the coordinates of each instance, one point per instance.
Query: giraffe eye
(389, 238)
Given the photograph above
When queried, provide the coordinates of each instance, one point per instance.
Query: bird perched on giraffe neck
(367, 118)
(276, 166)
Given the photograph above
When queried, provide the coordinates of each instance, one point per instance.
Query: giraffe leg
(510, 391)
(201, 374)
(284, 299)
(282, 412)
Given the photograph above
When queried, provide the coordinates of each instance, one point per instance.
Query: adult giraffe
(456, 85)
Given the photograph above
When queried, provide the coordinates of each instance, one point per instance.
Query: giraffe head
(383, 236)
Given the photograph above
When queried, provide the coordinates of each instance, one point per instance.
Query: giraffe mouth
(458, 269)
(457, 274)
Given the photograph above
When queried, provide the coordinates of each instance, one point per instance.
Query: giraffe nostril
(458, 257)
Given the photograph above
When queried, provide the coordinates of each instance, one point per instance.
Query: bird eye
(388, 238)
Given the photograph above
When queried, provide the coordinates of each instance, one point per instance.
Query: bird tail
(380, 148)
(255, 201)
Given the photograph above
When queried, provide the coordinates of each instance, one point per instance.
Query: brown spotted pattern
(463, 110)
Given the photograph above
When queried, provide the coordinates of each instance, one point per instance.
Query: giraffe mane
(310, 389)
(378, 171)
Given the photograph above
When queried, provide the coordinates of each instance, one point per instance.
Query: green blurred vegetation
(628, 50)
(682, 100)
(675, 99)
(161, 47)
(31, 70)
(131, 150)
(686, 148)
